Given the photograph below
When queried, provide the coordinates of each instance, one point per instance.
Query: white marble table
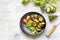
(11, 12)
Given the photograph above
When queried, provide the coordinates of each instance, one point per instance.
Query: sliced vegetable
(36, 20)
(52, 17)
(43, 23)
(39, 25)
(40, 18)
(34, 24)
(48, 10)
(34, 16)
(24, 2)
(53, 9)
(38, 29)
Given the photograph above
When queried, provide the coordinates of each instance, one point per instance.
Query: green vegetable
(50, 9)
(52, 17)
(33, 30)
(53, 9)
(24, 2)
(34, 24)
(29, 24)
(39, 2)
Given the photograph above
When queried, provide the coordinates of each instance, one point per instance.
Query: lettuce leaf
(28, 25)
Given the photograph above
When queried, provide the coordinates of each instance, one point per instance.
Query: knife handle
(51, 30)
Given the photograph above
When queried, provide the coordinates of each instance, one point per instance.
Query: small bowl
(23, 26)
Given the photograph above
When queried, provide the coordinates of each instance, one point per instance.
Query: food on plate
(52, 17)
(39, 25)
(38, 29)
(40, 18)
(29, 24)
(43, 23)
(33, 30)
(34, 16)
(28, 18)
(36, 20)
(24, 21)
(34, 23)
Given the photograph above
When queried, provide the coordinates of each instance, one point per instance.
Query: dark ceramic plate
(23, 26)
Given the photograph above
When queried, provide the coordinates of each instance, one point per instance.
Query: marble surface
(11, 12)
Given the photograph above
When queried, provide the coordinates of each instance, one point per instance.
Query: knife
(51, 30)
